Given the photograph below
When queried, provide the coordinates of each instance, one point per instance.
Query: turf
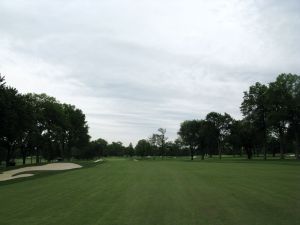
(157, 192)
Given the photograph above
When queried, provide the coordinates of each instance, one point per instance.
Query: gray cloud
(135, 66)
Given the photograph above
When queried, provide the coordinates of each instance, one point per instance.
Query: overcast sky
(133, 66)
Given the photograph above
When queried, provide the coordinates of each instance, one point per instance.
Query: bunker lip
(14, 174)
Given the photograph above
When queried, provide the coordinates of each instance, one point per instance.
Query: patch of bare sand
(9, 175)
(98, 160)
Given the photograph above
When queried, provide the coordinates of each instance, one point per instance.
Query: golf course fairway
(157, 192)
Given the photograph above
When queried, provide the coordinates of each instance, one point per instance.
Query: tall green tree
(283, 106)
(235, 138)
(188, 133)
(50, 122)
(98, 147)
(129, 151)
(143, 148)
(210, 135)
(247, 135)
(13, 114)
(115, 149)
(61, 127)
(158, 142)
(222, 124)
(254, 108)
(75, 131)
(294, 114)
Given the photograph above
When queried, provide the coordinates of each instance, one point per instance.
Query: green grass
(157, 192)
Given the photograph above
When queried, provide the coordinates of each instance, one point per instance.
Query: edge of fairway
(45, 173)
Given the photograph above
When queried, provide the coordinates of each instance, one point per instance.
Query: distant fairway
(157, 192)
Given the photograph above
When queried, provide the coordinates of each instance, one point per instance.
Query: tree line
(270, 124)
(39, 125)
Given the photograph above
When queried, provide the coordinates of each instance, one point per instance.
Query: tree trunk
(249, 153)
(192, 153)
(50, 151)
(69, 149)
(281, 138)
(23, 151)
(7, 160)
(63, 153)
(202, 156)
(297, 147)
(10, 151)
(220, 150)
(31, 156)
(264, 147)
(37, 159)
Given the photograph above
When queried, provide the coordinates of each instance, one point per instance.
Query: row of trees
(37, 124)
(271, 122)
(156, 145)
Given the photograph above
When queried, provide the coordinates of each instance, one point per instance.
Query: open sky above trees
(134, 66)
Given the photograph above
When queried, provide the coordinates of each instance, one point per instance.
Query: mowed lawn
(157, 192)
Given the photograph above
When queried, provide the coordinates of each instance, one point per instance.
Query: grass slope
(157, 192)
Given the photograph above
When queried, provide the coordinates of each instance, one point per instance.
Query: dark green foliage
(284, 105)
(271, 116)
(189, 133)
(115, 149)
(158, 143)
(143, 148)
(98, 147)
(39, 124)
(129, 151)
(255, 109)
(14, 120)
(222, 124)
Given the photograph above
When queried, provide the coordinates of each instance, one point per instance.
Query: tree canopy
(40, 125)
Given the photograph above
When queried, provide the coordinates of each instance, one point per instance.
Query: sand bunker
(9, 175)
(98, 160)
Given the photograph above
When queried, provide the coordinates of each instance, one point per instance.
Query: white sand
(98, 160)
(9, 175)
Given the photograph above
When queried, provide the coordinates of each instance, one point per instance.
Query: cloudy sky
(133, 66)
